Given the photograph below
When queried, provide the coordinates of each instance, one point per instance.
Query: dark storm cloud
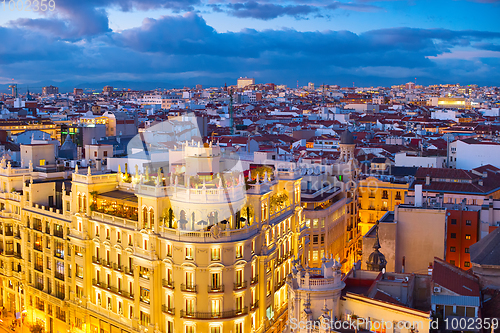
(269, 11)
(34, 47)
(186, 46)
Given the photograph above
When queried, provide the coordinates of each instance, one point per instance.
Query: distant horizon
(136, 85)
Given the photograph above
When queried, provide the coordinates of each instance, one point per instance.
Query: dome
(376, 261)
(346, 138)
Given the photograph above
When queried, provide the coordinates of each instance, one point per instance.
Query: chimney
(427, 180)
(418, 195)
(430, 268)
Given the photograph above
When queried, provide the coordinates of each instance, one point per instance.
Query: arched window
(84, 204)
(151, 217)
(144, 217)
(79, 198)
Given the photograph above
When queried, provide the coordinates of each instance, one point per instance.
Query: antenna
(297, 84)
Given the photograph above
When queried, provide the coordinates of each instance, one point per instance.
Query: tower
(376, 262)
(347, 146)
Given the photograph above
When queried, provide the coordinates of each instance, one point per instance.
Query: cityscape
(249, 167)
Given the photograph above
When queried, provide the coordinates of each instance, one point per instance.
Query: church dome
(376, 261)
(346, 138)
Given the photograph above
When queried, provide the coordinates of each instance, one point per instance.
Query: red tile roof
(454, 279)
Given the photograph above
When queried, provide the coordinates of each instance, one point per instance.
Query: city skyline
(368, 43)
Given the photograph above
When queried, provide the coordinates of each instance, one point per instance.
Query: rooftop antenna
(297, 84)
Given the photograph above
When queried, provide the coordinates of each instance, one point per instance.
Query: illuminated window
(467, 237)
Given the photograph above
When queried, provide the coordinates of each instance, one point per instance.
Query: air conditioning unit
(437, 289)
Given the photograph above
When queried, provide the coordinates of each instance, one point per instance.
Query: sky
(211, 42)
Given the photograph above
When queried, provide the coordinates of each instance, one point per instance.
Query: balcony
(254, 280)
(397, 197)
(188, 288)
(216, 289)
(145, 299)
(214, 314)
(279, 285)
(59, 233)
(129, 271)
(371, 208)
(167, 309)
(39, 268)
(96, 260)
(254, 305)
(385, 197)
(168, 284)
(241, 285)
(117, 267)
(384, 209)
(106, 263)
(100, 284)
(18, 255)
(371, 196)
(60, 295)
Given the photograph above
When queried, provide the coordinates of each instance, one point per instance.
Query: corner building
(116, 252)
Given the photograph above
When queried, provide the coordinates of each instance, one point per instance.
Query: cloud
(269, 11)
(186, 47)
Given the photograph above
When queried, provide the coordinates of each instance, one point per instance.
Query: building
(455, 294)
(314, 295)
(77, 91)
(50, 90)
(398, 231)
(377, 197)
(485, 258)
(245, 82)
(87, 253)
(463, 230)
(107, 90)
(472, 153)
(16, 126)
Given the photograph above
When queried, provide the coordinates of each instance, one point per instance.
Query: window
(216, 281)
(79, 271)
(189, 329)
(189, 253)
(59, 249)
(215, 254)
(215, 307)
(239, 251)
(215, 329)
(169, 250)
(468, 222)
(238, 328)
(467, 264)
(452, 249)
(105, 153)
(467, 236)
(453, 221)
(467, 250)
(453, 235)
(452, 262)
(315, 239)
